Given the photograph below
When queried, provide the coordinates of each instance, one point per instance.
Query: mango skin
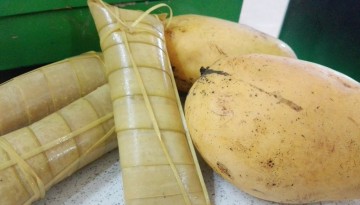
(279, 129)
(195, 41)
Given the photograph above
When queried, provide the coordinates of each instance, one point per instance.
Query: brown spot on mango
(223, 169)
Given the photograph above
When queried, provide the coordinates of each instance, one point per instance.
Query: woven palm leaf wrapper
(157, 158)
(34, 158)
(33, 95)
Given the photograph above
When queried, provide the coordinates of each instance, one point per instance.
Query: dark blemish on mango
(207, 70)
(203, 92)
(291, 104)
(282, 100)
(221, 52)
(203, 77)
(332, 148)
(346, 85)
(270, 163)
(217, 49)
(353, 121)
(203, 70)
(270, 184)
(223, 169)
(340, 80)
(255, 190)
(182, 29)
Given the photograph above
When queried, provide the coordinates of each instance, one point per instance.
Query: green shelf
(39, 32)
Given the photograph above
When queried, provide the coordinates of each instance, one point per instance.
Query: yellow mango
(280, 129)
(195, 41)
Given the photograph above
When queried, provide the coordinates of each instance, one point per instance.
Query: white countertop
(100, 184)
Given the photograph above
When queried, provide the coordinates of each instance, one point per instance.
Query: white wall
(264, 15)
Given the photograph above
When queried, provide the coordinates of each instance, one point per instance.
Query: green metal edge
(21, 7)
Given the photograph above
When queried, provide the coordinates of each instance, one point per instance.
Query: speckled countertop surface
(100, 183)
